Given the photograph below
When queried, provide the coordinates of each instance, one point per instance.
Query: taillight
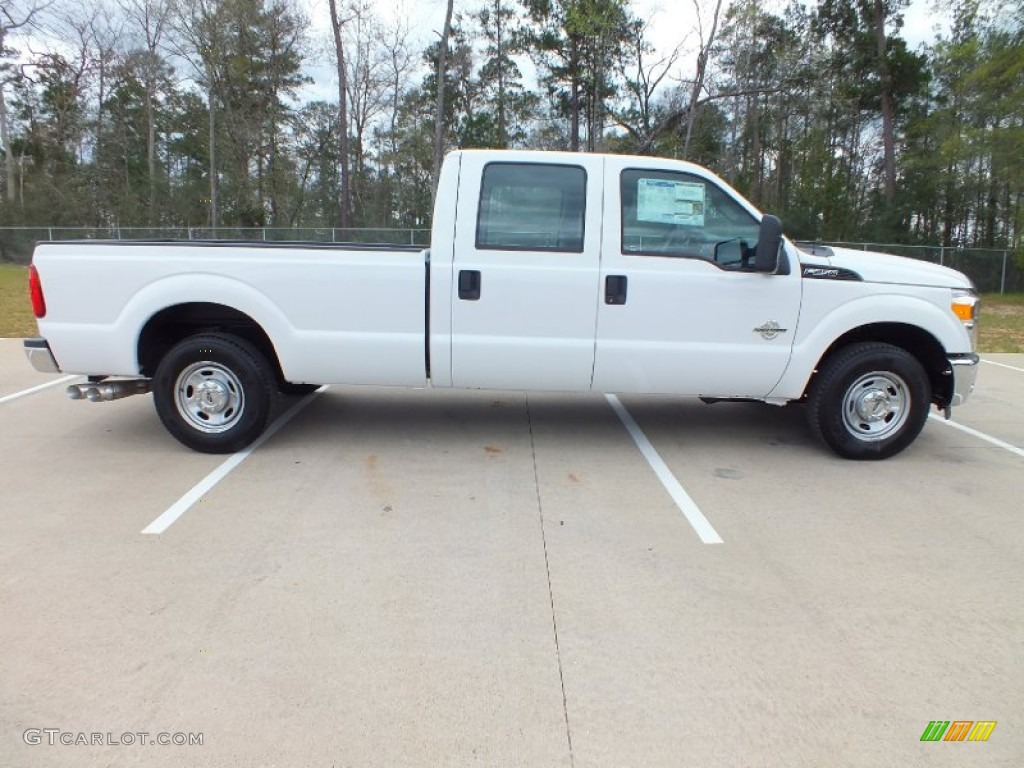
(35, 290)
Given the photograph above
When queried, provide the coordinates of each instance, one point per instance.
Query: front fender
(820, 326)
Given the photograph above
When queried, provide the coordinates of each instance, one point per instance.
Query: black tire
(214, 392)
(869, 401)
(296, 390)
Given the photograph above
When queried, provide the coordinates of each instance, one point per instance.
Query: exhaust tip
(114, 390)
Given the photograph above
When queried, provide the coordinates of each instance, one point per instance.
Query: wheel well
(916, 341)
(169, 326)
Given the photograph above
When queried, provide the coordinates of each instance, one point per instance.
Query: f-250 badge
(770, 330)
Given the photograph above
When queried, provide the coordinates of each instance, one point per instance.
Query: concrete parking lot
(425, 578)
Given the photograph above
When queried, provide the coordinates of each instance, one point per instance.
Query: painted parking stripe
(1003, 365)
(37, 388)
(980, 435)
(675, 489)
(195, 493)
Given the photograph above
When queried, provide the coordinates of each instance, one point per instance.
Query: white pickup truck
(546, 271)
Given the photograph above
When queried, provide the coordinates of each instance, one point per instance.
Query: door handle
(615, 289)
(469, 284)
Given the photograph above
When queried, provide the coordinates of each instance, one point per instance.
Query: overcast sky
(672, 23)
(673, 17)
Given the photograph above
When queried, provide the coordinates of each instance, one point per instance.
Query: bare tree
(367, 62)
(77, 64)
(442, 71)
(94, 35)
(337, 26)
(150, 18)
(879, 15)
(14, 16)
(200, 41)
(642, 79)
(401, 61)
(703, 56)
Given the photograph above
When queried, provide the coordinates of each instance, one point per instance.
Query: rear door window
(531, 207)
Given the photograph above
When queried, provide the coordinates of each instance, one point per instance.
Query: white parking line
(38, 388)
(1003, 365)
(675, 489)
(195, 493)
(980, 435)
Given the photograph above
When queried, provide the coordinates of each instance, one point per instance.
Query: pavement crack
(551, 594)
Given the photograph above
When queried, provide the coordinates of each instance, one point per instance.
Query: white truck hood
(886, 268)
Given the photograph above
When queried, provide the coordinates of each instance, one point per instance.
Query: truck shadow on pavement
(434, 419)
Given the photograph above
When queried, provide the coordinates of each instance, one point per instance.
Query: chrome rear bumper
(39, 355)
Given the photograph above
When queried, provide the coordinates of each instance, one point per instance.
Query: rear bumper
(965, 371)
(39, 355)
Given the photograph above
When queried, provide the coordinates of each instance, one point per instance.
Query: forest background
(272, 113)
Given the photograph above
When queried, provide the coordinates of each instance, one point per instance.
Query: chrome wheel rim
(209, 397)
(876, 406)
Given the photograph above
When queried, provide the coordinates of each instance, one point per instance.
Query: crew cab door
(525, 271)
(679, 315)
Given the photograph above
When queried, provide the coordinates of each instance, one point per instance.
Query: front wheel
(869, 401)
(214, 392)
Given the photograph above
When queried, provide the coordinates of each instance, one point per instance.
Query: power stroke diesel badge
(770, 330)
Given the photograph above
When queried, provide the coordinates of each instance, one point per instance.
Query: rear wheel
(214, 392)
(869, 401)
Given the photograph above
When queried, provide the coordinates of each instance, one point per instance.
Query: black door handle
(615, 289)
(469, 284)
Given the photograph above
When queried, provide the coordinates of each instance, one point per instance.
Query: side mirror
(769, 242)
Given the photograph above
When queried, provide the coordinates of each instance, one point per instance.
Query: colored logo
(958, 730)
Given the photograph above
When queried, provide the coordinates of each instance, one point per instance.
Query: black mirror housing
(769, 243)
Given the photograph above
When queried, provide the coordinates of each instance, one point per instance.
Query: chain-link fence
(992, 270)
(16, 243)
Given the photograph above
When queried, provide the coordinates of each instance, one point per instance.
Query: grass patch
(1002, 317)
(1001, 328)
(16, 319)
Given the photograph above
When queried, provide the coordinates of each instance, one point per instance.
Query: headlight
(966, 305)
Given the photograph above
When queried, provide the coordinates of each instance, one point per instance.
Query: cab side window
(684, 216)
(531, 207)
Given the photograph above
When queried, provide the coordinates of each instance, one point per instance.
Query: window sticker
(670, 202)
